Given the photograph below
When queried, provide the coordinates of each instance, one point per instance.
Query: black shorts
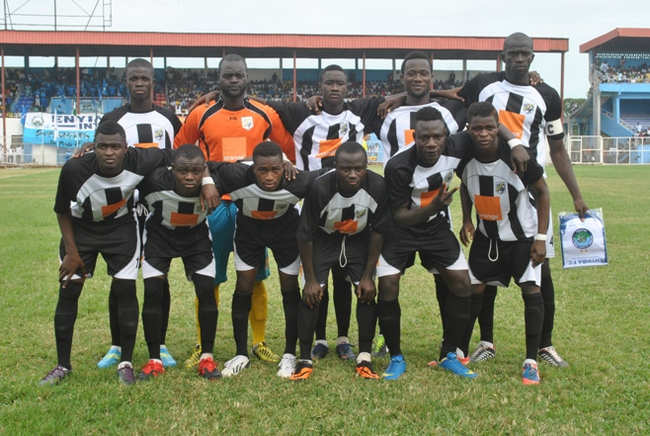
(119, 246)
(496, 262)
(252, 236)
(438, 249)
(162, 245)
(350, 253)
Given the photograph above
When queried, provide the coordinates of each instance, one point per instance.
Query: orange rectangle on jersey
(233, 149)
(427, 197)
(112, 208)
(347, 227)
(408, 136)
(183, 219)
(264, 215)
(146, 145)
(514, 122)
(488, 208)
(328, 148)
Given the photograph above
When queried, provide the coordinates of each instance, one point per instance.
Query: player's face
(430, 137)
(268, 171)
(110, 151)
(417, 78)
(334, 87)
(351, 171)
(140, 81)
(233, 78)
(483, 131)
(518, 55)
(189, 175)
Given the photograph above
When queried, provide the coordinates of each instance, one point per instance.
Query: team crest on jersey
(529, 107)
(158, 134)
(345, 128)
(500, 187)
(247, 122)
(358, 214)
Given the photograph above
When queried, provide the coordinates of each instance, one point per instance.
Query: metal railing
(591, 150)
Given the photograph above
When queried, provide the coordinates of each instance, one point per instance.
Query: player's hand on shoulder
(315, 104)
(290, 171)
(85, 147)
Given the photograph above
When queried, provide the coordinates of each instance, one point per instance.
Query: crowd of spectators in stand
(612, 73)
(178, 90)
(640, 131)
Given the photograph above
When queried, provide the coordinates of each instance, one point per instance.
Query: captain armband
(554, 129)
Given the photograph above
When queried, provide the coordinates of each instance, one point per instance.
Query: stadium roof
(620, 39)
(158, 44)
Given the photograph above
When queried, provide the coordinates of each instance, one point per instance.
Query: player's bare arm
(366, 290)
(466, 232)
(312, 292)
(404, 217)
(562, 163)
(538, 249)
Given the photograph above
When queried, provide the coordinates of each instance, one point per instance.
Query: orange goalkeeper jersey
(227, 135)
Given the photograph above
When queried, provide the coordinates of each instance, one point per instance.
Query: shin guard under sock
(367, 320)
(290, 303)
(127, 313)
(65, 316)
(152, 314)
(241, 307)
(534, 316)
(486, 316)
(548, 294)
(390, 314)
(208, 311)
(457, 316)
(307, 319)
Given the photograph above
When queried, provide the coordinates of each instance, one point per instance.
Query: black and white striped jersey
(327, 212)
(504, 208)
(238, 180)
(415, 186)
(396, 130)
(155, 128)
(105, 200)
(529, 112)
(167, 208)
(317, 137)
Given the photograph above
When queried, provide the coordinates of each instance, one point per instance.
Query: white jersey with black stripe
(525, 110)
(397, 129)
(155, 128)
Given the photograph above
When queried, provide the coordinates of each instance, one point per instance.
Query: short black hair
(267, 149)
(429, 113)
(333, 67)
(189, 152)
(141, 63)
(233, 57)
(350, 147)
(417, 55)
(110, 127)
(482, 109)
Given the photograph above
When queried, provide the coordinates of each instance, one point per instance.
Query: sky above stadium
(578, 20)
